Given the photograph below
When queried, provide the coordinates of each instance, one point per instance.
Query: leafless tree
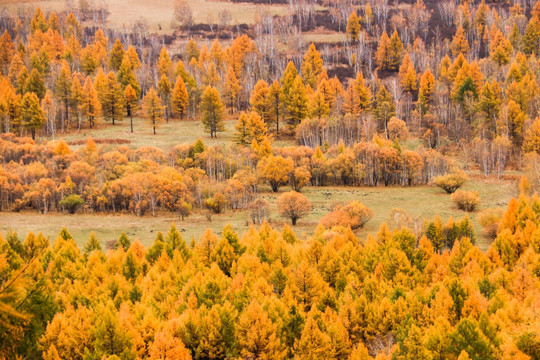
(447, 9)
(182, 15)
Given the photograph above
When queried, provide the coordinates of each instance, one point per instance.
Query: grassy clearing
(424, 201)
(157, 13)
(167, 135)
(317, 37)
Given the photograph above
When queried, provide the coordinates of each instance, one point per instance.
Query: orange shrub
(354, 214)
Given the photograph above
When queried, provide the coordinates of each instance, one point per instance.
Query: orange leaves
(353, 214)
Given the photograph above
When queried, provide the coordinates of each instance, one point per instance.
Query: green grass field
(423, 201)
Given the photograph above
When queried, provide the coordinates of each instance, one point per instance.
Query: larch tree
(407, 74)
(231, 89)
(395, 52)
(289, 75)
(153, 108)
(260, 100)
(164, 92)
(116, 55)
(382, 56)
(212, 111)
(33, 116)
(293, 205)
(384, 108)
(91, 107)
(317, 106)
(460, 44)
(35, 84)
(63, 90)
(7, 50)
(179, 98)
(257, 335)
(126, 76)
(353, 28)
(276, 103)
(241, 130)
(164, 64)
(76, 100)
(296, 101)
(312, 66)
(130, 102)
(425, 93)
(111, 98)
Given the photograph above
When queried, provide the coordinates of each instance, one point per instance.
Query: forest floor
(419, 201)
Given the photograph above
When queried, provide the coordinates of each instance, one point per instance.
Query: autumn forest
(258, 179)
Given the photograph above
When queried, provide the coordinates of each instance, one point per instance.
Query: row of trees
(400, 294)
(147, 179)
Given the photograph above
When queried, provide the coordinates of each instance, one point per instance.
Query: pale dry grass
(421, 201)
(157, 13)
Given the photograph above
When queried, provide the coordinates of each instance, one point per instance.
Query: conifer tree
(460, 44)
(317, 106)
(153, 108)
(91, 107)
(126, 76)
(232, 89)
(241, 130)
(179, 98)
(35, 84)
(353, 27)
(407, 74)
(382, 56)
(362, 92)
(7, 50)
(130, 102)
(395, 52)
(164, 64)
(164, 92)
(32, 115)
(260, 100)
(312, 66)
(289, 75)
(296, 101)
(212, 110)
(427, 86)
(384, 108)
(63, 90)
(116, 55)
(111, 98)
(76, 100)
(131, 54)
(276, 103)
(38, 22)
(531, 37)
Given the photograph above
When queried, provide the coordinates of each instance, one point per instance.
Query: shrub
(72, 203)
(354, 214)
(217, 203)
(489, 219)
(451, 182)
(466, 200)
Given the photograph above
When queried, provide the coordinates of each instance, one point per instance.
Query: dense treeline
(269, 295)
(52, 176)
(476, 91)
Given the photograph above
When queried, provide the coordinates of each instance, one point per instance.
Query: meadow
(420, 201)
